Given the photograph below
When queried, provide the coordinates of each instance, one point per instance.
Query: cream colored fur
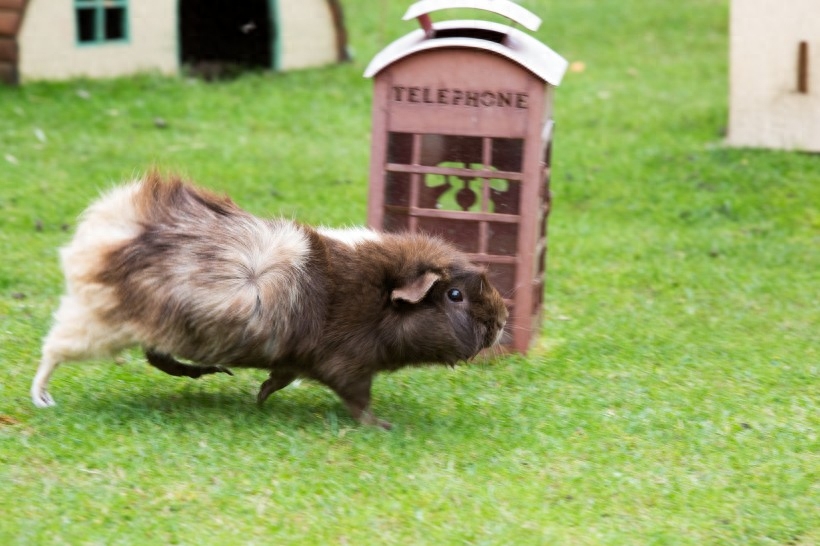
(350, 236)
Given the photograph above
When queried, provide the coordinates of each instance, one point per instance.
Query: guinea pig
(185, 273)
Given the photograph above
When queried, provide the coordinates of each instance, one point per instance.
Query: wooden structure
(461, 142)
(58, 39)
(774, 77)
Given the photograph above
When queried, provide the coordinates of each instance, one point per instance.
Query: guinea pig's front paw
(42, 399)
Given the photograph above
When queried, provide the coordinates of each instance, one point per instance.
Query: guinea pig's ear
(415, 290)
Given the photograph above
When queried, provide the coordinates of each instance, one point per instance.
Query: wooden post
(803, 67)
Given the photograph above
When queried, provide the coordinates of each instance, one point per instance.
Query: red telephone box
(461, 144)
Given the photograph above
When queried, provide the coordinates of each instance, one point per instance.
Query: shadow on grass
(309, 407)
(192, 409)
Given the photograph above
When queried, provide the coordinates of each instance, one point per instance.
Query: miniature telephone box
(461, 144)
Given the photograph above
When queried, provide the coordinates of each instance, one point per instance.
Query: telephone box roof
(505, 8)
(473, 34)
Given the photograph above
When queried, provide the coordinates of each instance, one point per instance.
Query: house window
(100, 21)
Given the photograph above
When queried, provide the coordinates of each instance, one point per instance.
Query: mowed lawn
(671, 398)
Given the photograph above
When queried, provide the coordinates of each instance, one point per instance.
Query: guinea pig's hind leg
(39, 394)
(277, 380)
(68, 341)
(171, 366)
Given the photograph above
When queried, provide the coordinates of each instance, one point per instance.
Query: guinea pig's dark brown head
(443, 308)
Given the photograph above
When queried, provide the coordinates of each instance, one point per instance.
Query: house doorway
(220, 38)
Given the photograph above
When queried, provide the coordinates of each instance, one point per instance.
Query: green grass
(671, 398)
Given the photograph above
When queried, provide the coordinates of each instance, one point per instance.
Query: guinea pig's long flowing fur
(185, 273)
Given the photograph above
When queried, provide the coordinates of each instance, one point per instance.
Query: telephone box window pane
(395, 222)
(502, 239)
(463, 234)
(451, 151)
(448, 192)
(502, 276)
(508, 154)
(400, 148)
(397, 189)
(505, 196)
(434, 193)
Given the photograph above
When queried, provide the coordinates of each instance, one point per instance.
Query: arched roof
(510, 10)
(517, 46)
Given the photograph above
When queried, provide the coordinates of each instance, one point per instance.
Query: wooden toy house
(461, 142)
(58, 39)
(774, 81)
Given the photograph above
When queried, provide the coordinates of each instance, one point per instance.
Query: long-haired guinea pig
(184, 273)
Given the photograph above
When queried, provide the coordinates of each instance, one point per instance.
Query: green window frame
(101, 21)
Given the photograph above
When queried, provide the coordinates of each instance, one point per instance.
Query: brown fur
(188, 274)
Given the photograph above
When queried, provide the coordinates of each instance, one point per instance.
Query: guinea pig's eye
(454, 294)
